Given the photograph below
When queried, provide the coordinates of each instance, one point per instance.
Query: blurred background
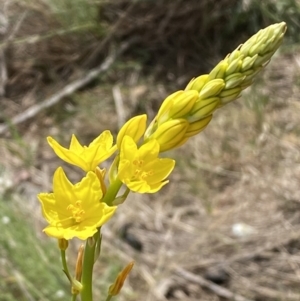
(228, 223)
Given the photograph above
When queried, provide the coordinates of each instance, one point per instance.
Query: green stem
(122, 198)
(98, 245)
(74, 296)
(87, 268)
(64, 264)
(127, 191)
(108, 298)
(112, 192)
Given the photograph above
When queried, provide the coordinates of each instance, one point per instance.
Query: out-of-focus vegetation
(174, 39)
(29, 266)
(241, 169)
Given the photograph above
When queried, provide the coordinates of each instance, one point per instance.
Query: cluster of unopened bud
(184, 114)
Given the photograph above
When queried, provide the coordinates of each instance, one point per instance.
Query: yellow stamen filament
(139, 173)
(138, 163)
(77, 211)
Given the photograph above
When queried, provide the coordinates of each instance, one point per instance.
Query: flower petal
(75, 146)
(162, 169)
(149, 151)
(87, 158)
(67, 155)
(128, 149)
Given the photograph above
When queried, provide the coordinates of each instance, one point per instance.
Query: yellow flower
(74, 210)
(141, 169)
(85, 157)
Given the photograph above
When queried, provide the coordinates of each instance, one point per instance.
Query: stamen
(138, 163)
(60, 222)
(137, 172)
(150, 173)
(76, 211)
(144, 175)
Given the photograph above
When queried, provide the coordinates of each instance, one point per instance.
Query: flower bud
(116, 287)
(176, 105)
(234, 64)
(197, 83)
(204, 107)
(78, 268)
(76, 287)
(229, 95)
(100, 173)
(197, 126)
(250, 74)
(234, 80)
(248, 62)
(219, 71)
(134, 127)
(113, 170)
(212, 88)
(165, 107)
(170, 134)
(183, 104)
(265, 41)
(63, 244)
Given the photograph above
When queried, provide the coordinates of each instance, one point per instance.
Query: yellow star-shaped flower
(85, 157)
(74, 210)
(141, 169)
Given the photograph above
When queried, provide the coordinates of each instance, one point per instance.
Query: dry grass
(243, 169)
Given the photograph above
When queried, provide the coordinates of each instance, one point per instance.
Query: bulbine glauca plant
(80, 210)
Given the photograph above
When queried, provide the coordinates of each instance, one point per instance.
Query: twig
(4, 24)
(3, 67)
(110, 34)
(269, 293)
(248, 255)
(15, 29)
(35, 38)
(220, 291)
(119, 105)
(3, 73)
(22, 286)
(67, 90)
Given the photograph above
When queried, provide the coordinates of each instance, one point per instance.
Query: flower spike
(206, 93)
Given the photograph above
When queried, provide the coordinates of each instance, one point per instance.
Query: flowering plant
(81, 209)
